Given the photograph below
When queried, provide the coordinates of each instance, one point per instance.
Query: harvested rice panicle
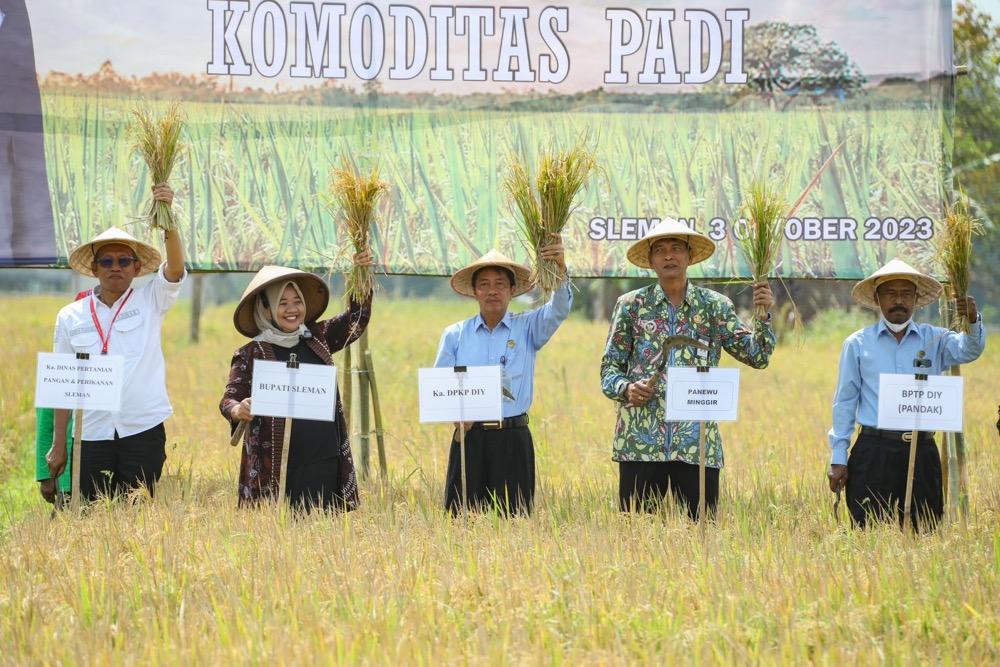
(355, 196)
(158, 142)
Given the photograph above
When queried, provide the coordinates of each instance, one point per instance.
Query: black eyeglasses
(123, 262)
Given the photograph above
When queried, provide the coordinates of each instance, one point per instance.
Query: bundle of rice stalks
(355, 195)
(953, 243)
(158, 141)
(764, 209)
(545, 203)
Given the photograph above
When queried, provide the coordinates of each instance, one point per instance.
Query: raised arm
(174, 269)
(750, 346)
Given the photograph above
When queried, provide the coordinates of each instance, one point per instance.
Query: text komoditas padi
(309, 41)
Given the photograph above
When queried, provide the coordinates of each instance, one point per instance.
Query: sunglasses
(123, 262)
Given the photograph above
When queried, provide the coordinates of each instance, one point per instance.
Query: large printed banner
(684, 103)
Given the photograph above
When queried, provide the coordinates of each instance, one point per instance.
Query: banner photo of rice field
(844, 108)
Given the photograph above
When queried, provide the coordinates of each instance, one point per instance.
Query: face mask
(896, 328)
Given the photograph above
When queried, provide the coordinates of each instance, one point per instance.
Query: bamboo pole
(954, 472)
(383, 467)
(963, 475)
(347, 389)
(364, 424)
(949, 462)
(197, 285)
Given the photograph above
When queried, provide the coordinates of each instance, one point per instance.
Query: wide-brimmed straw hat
(314, 291)
(81, 259)
(461, 282)
(701, 246)
(928, 289)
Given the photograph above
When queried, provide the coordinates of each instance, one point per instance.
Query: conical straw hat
(461, 282)
(702, 247)
(314, 291)
(81, 259)
(928, 289)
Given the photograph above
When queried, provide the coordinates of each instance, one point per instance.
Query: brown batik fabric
(260, 462)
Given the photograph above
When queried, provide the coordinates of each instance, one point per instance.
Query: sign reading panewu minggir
(684, 104)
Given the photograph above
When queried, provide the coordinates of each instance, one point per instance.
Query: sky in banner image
(683, 107)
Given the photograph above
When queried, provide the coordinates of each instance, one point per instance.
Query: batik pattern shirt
(642, 320)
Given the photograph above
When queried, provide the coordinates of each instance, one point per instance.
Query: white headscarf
(270, 332)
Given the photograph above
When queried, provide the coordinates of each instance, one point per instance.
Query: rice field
(249, 192)
(188, 579)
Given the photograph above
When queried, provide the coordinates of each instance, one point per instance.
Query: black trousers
(876, 482)
(315, 486)
(500, 471)
(116, 466)
(642, 485)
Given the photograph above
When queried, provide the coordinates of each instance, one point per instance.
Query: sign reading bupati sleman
(306, 392)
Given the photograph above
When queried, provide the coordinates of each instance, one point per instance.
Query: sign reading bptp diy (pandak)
(472, 393)
(306, 392)
(906, 403)
(65, 382)
(711, 395)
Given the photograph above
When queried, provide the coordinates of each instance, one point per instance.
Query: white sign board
(64, 382)
(306, 392)
(472, 395)
(906, 403)
(711, 395)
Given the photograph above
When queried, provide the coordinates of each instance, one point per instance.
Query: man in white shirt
(122, 320)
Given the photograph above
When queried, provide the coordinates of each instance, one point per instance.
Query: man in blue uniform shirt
(500, 458)
(874, 476)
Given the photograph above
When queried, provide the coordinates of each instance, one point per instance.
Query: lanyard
(100, 331)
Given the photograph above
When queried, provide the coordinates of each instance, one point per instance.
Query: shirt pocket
(86, 342)
(128, 334)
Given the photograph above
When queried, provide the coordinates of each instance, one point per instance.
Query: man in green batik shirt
(655, 455)
(44, 420)
(47, 486)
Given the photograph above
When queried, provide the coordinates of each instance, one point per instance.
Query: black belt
(509, 422)
(898, 436)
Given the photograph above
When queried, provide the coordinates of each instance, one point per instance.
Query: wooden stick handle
(284, 462)
(914, 434)
(465, 484)
(701, 476)
(241, 428)
(77, 455)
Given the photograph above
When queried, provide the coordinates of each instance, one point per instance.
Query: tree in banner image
(786, 63)
(977, 136)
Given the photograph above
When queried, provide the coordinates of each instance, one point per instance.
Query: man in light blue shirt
(500, 457)
(874, 476)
